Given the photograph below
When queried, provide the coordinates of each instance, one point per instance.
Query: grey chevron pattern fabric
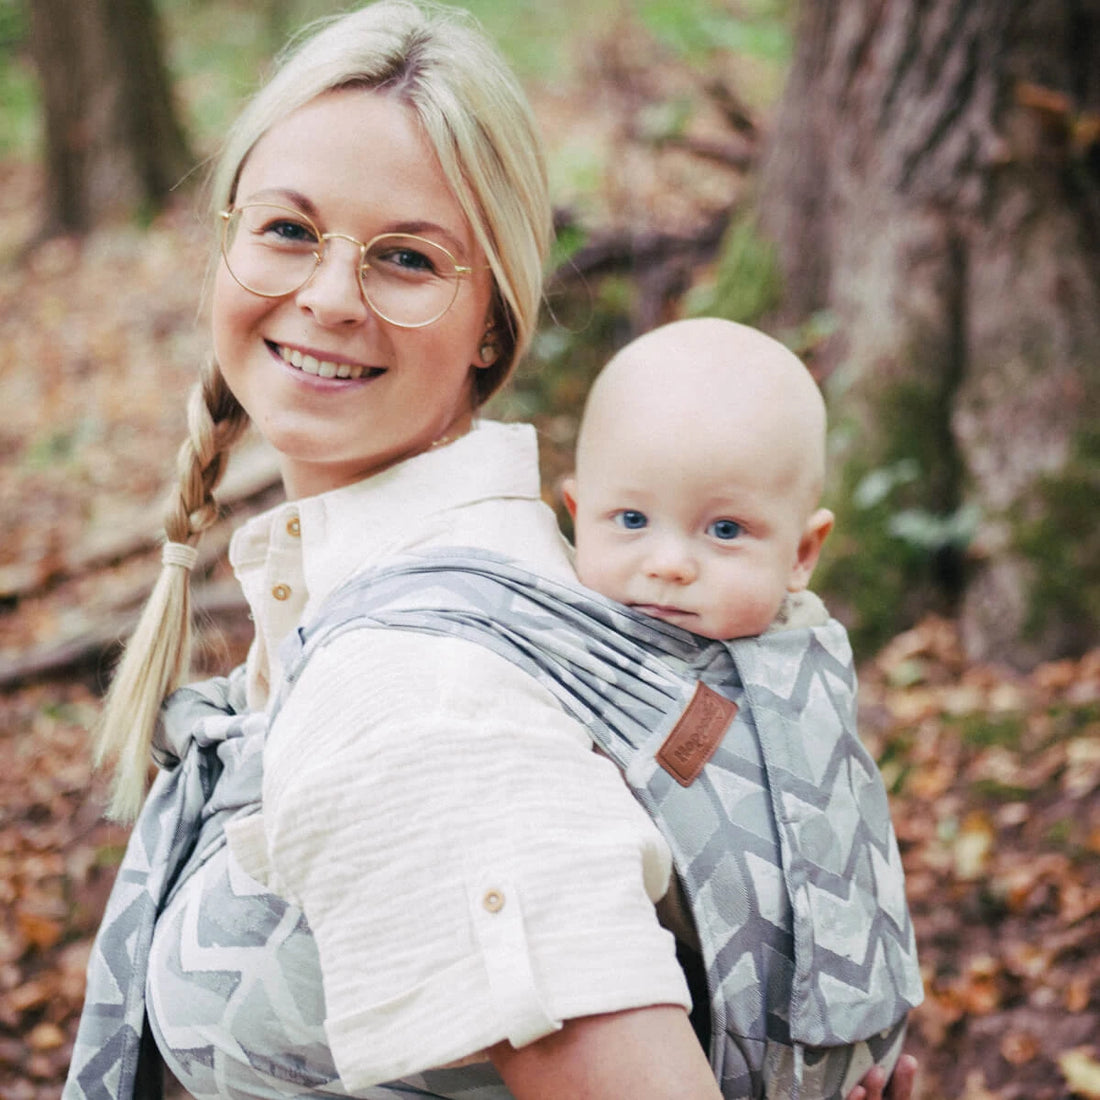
(236, 1004)
(783, 846)
(107, 1057)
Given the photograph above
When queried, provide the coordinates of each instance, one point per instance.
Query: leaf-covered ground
(994, 776)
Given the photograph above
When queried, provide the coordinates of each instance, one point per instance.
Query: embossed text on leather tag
(693, 739)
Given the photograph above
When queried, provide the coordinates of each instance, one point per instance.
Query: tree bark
(114, 146)
(933, 181)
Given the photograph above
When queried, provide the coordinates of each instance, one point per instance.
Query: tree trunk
(934, 183)
(113, 144)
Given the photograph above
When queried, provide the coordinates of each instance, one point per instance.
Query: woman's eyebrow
(285, 194)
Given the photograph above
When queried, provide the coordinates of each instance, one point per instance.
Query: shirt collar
(348, 528)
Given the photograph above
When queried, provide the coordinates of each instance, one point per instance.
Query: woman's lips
(323, 368)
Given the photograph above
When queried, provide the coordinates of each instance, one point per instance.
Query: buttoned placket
(284, 578)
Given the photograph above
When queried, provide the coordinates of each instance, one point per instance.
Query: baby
(699, 470)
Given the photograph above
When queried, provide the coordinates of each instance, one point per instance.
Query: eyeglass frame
(460, 272)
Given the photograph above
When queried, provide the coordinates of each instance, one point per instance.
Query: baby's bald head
(719, 381)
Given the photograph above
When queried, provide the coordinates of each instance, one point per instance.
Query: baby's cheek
(599, 569)
(742, 616)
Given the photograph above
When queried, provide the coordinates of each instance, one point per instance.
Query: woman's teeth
(322, 368)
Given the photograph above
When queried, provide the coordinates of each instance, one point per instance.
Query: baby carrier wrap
(777, 820)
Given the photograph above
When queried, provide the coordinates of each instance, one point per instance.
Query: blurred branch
(220, 601)
(633, 250)
(252, 474)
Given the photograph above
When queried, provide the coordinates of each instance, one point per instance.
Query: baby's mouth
(323, 368)
(662, 611)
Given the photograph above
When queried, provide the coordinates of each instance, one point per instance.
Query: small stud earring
(488, 353)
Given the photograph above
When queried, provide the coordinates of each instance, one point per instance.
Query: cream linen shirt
(471, 870)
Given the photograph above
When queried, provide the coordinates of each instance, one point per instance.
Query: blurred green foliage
(746, 281)
(697, 29)
(1060, 537)
(19, 123)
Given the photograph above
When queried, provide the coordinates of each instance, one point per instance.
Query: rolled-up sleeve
(471, 870)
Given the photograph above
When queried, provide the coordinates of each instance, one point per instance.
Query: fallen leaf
(973, 847)
(975, 1089)
(1081, 1071)
(46, 1036)
(1079, 993)
(1018, 1047)
(42, 932)
(32, 994)
(1082, 774)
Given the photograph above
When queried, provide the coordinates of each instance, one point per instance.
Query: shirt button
(281, 591)
(294, 527)
(493, 901)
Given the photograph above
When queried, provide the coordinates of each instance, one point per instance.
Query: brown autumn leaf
(979, 986)
(1078, 900)
(32, 994)
(1018, 1047)
(1028, 960)
(45, 1036)
(1079, 993)
(41, 931)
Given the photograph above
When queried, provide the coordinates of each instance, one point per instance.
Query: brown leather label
(692, 741)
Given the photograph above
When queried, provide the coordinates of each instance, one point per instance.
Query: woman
(442, 871)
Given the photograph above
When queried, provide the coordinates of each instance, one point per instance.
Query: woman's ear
(569, 494)
(813, 538)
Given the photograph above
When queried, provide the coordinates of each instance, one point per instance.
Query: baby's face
(703, 533)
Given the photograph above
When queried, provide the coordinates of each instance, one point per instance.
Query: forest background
(906, 193)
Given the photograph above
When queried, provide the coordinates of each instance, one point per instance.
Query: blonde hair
(435, 60)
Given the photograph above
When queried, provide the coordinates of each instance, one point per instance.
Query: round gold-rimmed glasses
(274, 250)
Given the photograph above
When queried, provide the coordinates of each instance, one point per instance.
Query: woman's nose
(334, 294)
(670, 559)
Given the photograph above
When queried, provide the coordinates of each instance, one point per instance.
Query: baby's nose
(672, 560)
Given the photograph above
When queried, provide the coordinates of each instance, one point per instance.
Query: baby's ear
(813, 538)
(569, 494)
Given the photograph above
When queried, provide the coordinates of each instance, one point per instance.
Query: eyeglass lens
(273, 251)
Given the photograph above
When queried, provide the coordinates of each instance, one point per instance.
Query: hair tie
(179, 553)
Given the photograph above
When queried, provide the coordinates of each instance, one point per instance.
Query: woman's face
(356, 163)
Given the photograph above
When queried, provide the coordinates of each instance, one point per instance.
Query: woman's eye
(406, 260)
(630, 519)
(724, 529)
(286, 231)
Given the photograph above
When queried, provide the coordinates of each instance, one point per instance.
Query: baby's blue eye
(724, 529)
(630, 519)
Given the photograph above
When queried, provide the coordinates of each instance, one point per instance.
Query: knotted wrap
(782, 843)
(205, 731)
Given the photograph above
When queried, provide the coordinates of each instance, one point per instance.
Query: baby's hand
(900, 1087)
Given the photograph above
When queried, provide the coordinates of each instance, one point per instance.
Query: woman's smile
(321, 365)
